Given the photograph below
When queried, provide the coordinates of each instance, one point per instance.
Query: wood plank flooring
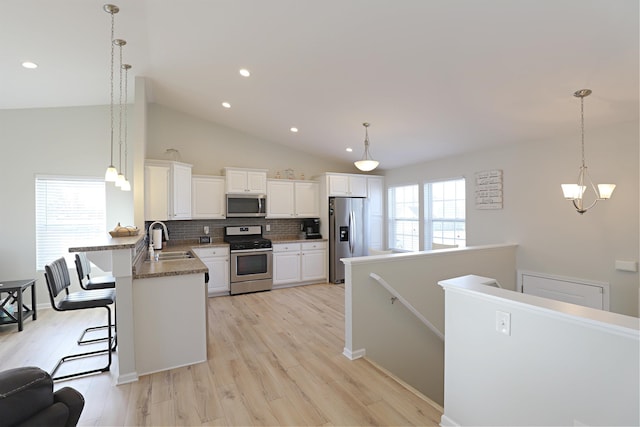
(274, 358)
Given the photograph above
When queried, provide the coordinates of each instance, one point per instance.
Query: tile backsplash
(192, 229)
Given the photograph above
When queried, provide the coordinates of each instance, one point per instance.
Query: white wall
(210, 147)
(562, 365)
(390, 334)
(552, 237)
(51, 141)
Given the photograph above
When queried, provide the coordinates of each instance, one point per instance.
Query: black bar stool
(57, 276)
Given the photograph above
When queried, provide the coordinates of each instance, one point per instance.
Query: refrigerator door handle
(352, 228)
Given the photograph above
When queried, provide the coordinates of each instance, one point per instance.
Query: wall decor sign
(489, 189)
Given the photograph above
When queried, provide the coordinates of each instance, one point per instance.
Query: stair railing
(397, 297)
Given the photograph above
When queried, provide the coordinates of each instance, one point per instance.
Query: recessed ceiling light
(244, 72)
(349, 149)
(30, 65)
(226, 105)
(294, 130)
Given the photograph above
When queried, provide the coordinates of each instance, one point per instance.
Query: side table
(15, 290)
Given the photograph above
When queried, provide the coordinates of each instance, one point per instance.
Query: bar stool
(57, 277)
(83, 267)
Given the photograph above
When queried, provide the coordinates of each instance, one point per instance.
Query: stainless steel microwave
(246, 205)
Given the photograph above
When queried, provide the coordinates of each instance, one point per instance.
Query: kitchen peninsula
(161, 311)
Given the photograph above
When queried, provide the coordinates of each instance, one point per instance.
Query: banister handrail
(407, 304)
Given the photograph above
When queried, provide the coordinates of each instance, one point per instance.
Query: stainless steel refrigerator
(346, 233)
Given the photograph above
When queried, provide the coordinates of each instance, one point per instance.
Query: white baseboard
(127, 378)
(448, 422)
(353, 355)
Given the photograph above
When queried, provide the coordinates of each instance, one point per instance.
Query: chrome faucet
(164, 227)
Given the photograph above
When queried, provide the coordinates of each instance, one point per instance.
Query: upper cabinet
(293, 199)
(345, 185)
(246, 181)
(167, 190)
(207, 197)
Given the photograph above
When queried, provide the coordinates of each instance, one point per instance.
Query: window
(445, 213)
(68, 211)
(404, 218)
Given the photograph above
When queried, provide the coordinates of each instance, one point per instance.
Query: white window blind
(445, 213)
(404, 218)
(68, 211)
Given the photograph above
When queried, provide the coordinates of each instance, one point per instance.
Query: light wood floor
(275, 358)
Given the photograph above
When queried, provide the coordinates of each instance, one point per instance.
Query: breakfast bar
(155, 332)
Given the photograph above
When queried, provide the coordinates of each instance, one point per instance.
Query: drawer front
(211, 252)
(286, 247)
(308, 246)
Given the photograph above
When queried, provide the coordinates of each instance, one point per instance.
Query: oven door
(247, 266)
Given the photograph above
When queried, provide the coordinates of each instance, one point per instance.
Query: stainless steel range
(251, 259)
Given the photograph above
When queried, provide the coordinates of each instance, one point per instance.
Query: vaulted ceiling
(433, 77)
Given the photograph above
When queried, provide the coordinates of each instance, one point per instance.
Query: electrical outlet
(268, 227)
(206, 229)
(503, 322)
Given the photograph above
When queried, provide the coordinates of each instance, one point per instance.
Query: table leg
(33, 300)
(19, 309)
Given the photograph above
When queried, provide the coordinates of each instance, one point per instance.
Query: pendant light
(126, 186)
(120, 178)
(367, 163)
(584, 185)
(112, 173)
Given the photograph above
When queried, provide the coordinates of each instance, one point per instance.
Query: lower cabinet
(299, 263)
(217, 260)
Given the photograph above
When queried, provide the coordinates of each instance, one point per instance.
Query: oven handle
(241, 251)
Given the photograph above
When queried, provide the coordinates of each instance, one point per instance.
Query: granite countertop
(293, 239)
(175, 267)
(108, 243)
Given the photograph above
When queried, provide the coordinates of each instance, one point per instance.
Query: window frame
(392, 220)
(429, 219)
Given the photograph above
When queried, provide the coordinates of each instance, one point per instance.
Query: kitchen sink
(173, 255)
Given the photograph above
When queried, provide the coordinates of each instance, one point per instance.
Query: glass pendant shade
(120, 180)
(366, 165)
(111, 174)
(126, 186)
(573, 191)
(606, 190)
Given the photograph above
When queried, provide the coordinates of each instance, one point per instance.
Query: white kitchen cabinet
(299, 263)
(246, 181)
(286, 263)
(375, 212)
(217, 261)
(167, 190)
(346, 185)
(207, 197)
(293, 199)
(314, 262)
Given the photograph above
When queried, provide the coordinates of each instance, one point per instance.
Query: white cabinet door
(181, 191)
(314, 265)
(217, 260)
(307, 199)
(375, 210)
(348, 185)
(257, 182)
(236, 181)
(156, 193)
(339, 185)
(280, 199)
(246, 181)
(207, 197)
(218, 274)
(286, 263)
(358, 186)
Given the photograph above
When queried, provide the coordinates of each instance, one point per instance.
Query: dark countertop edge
(110, 243)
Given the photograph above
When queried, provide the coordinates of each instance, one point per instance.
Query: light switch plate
(626, 265)
(503, 322)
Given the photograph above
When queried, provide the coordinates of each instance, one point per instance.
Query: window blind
(68, 211)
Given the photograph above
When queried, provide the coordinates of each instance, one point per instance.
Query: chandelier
(584, 186)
